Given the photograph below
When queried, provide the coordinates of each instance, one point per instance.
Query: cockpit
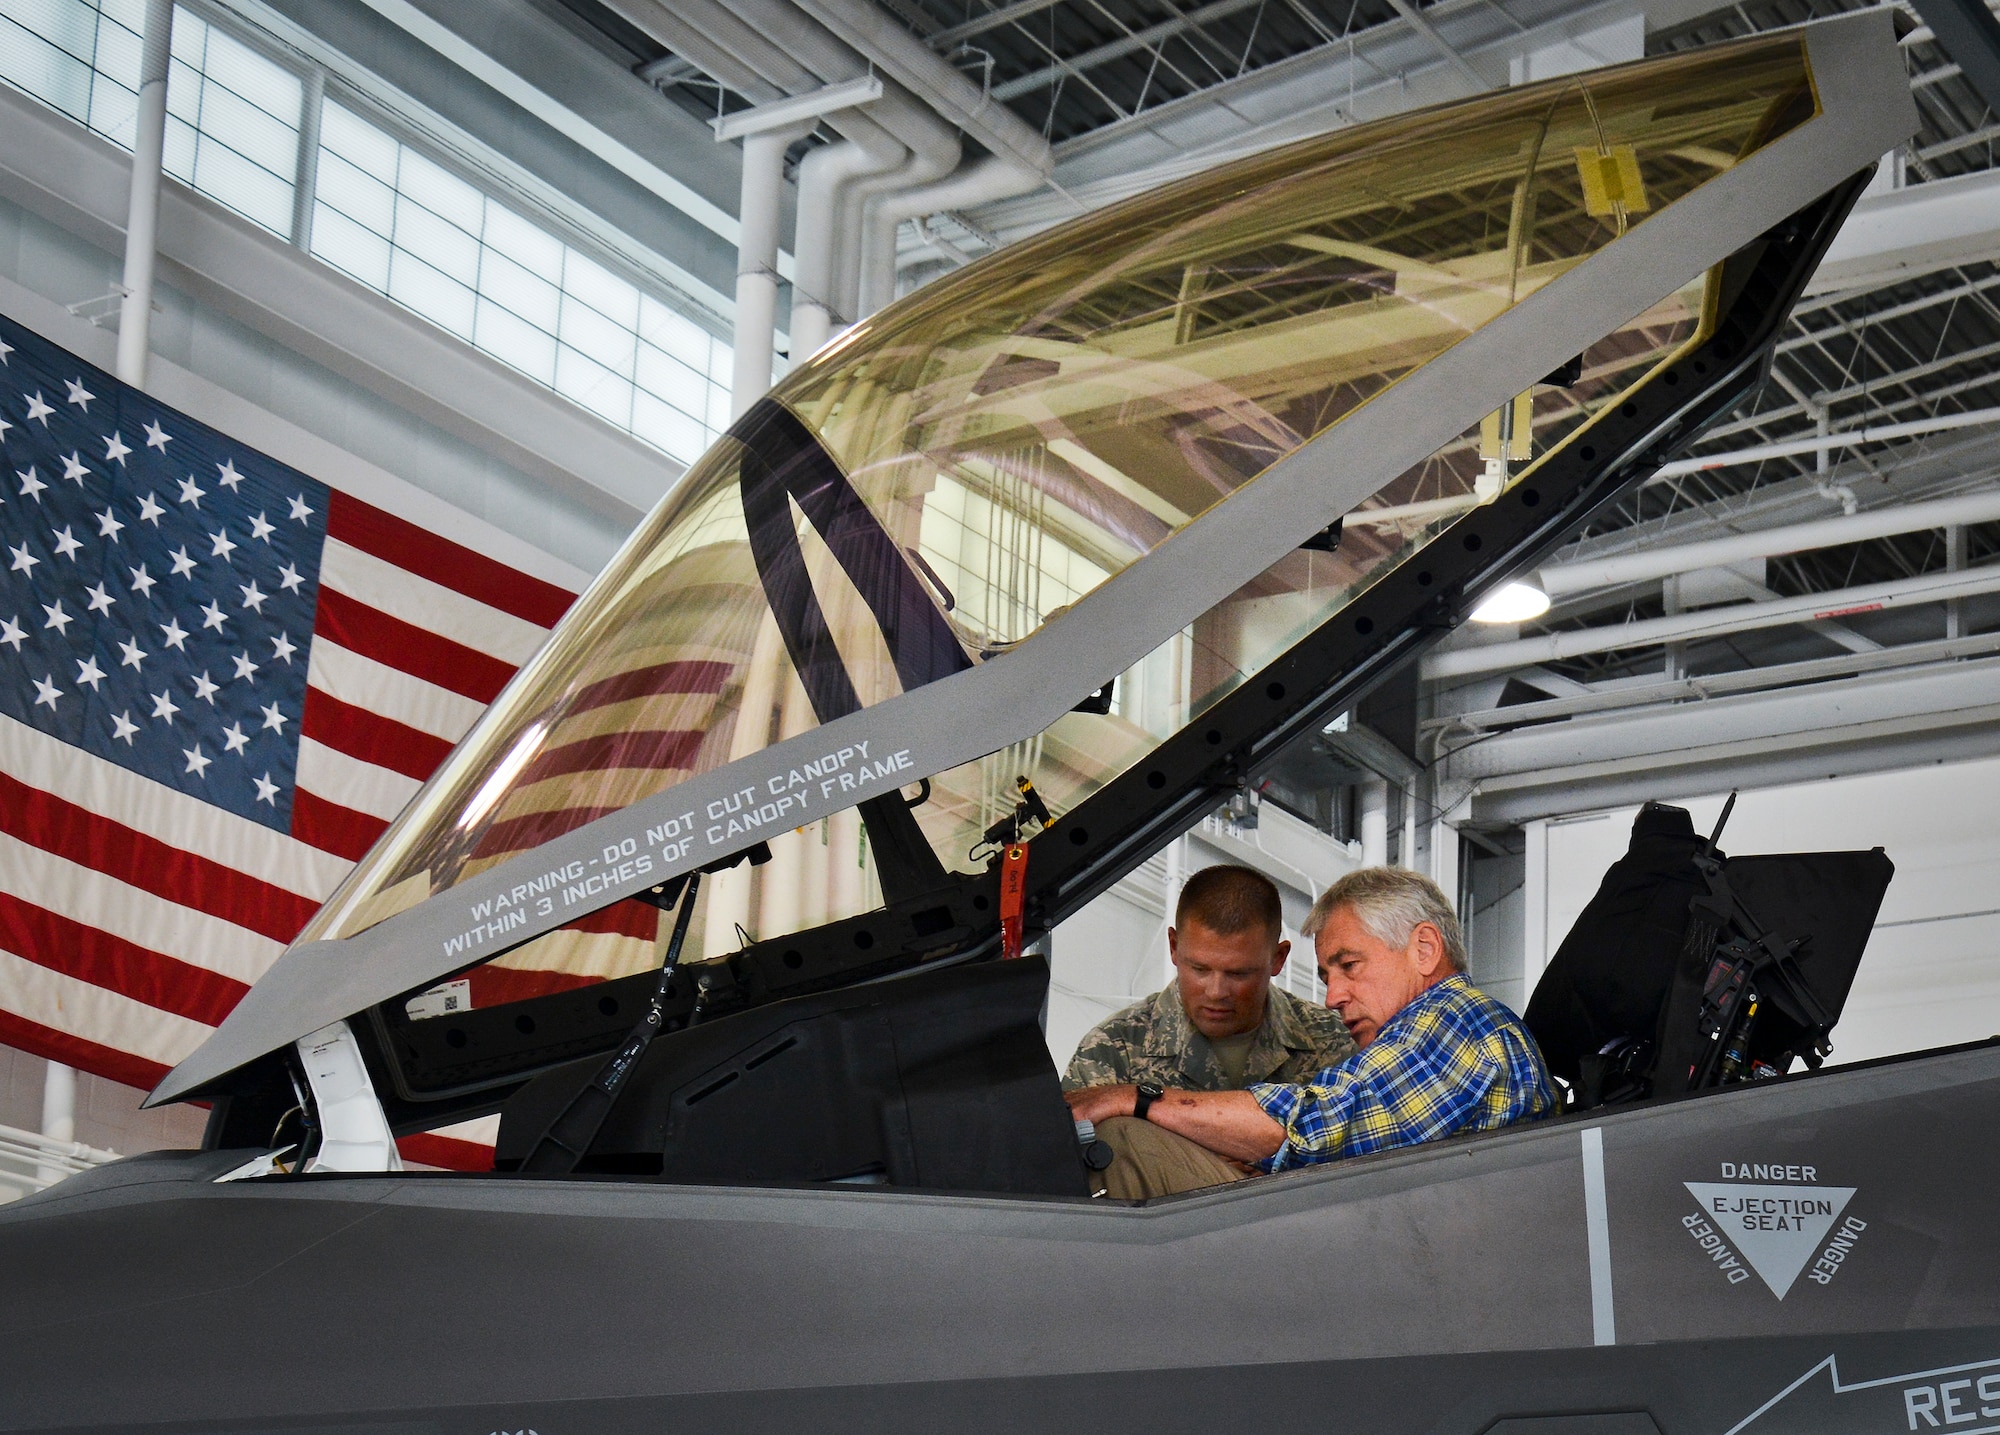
(932, 642)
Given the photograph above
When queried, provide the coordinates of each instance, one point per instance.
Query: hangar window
(232, 112)
(383, 211)
(1029, 429)
(404, 224)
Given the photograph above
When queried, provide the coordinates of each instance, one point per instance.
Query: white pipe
(809, 49)
(757, 264)
(1423, 511)
(823, 175)
(710, 37)
(305, 178)
(1374, 822)
(1560, 579)
(142, 216)
(1819, 443)
(1710, 623)
(58, 1114)
(769, 51)
(59, 1102)
(795, 54)
(1409, 852)
(868, 255)
(794, 111)
(883, 210)
(991, 178)
(879, 37)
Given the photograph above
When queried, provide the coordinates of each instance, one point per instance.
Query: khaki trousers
(1152, 1161)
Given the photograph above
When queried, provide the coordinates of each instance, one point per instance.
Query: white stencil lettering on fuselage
(1777, 1228)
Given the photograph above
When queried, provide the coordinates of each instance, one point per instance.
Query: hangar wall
(1928, 977)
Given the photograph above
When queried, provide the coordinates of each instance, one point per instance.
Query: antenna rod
(1722, 821)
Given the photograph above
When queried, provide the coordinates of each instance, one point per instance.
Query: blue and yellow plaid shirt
(1452, 1060)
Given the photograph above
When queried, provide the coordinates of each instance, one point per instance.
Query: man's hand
(1229, 1123)
(1101, 1103)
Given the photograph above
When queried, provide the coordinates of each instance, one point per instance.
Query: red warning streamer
(1013, 897)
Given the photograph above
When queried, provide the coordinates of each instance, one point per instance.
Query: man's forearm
(1229, 1123)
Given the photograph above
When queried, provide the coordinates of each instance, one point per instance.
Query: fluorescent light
(1513, 603)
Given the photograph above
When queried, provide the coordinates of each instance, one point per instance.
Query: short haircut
(1230, 899)
(1390, 903)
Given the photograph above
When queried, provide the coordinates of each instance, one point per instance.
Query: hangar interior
(522, 263)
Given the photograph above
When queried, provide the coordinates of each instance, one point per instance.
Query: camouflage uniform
(1153, 1040)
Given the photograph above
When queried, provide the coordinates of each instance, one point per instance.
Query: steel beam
(1708, 623)
(1948, 695)
(1895, 236)
(793, 109)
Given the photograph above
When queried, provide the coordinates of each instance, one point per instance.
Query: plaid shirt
(1452, 1060)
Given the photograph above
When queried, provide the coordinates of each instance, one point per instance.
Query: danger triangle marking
(1776, 1228)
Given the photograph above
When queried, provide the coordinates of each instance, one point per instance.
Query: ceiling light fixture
(1512, 603)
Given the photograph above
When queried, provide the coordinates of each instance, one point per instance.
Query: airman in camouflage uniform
(1153, 1040)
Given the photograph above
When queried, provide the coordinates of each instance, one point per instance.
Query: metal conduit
(1709, 623)
(1789, 448)
(1561, 579)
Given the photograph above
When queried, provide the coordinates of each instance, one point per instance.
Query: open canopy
(1090, 459)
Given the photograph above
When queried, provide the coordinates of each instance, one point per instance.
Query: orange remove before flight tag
(1013, 896)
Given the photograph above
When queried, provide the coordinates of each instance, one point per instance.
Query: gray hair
(1391, 903)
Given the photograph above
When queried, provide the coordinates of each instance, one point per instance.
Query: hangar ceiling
(1901, 329)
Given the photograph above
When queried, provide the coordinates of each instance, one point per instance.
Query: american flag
(219, 680)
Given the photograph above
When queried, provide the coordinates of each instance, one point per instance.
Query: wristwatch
(1149, 1092)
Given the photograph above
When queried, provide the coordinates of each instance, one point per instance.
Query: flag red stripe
(497, 986)
(333, 828)
(517, 834)
(647, 749)
(108, 961)
(372, 737)
(410, 649)
(427, 1148)
(404, 544)
(660, 678)
(52, 1045)
(46, 821)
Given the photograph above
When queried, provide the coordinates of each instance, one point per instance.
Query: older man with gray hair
(1437, 1057)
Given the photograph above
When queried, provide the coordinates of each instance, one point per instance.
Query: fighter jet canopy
(1085, 465)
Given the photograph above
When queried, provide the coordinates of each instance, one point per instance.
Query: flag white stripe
(431, 606)
(159, 924)
(481, 1130)
(161, 812)
(352, 783)
(364, 683)
(96, 1014)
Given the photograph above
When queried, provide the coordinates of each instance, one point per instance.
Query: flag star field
(157, 585)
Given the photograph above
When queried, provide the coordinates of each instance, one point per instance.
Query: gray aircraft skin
(1816, 1253)
(1441, 1289)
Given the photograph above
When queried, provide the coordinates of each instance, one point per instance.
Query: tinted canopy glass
(938, 484)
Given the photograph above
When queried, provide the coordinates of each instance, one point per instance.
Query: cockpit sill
(1800, 1093)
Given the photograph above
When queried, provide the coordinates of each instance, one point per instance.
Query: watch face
(1151, 1089)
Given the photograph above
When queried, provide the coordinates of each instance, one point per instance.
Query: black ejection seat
(1691, 969)
(939, 1080)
